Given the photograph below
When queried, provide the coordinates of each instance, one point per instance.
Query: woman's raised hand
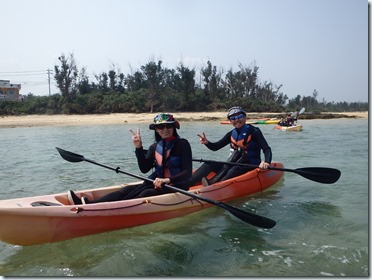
(136, 138)
(203, 139)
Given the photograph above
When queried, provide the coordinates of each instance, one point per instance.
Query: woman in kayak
(245, 140)
(170, 156)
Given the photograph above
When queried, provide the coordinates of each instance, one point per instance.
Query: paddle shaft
(242, 164)
(323, 175)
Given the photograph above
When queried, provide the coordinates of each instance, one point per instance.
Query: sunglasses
(164, 125)
(238, 117)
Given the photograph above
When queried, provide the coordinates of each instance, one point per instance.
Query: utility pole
(49, 72)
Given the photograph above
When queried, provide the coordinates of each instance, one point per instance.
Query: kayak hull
(272, 121)
(51, 218)
(289, 128)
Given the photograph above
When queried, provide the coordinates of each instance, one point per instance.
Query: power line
(33, 83)
(14, 75)
(22, 77)
(22, 72)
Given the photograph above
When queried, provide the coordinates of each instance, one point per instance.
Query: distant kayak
(289, 128)
(272, 121)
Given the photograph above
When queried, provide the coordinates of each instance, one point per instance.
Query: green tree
(154, 76)
(242, 83)
(102, 80)
(249, 80)
(84, 86)
(135, 82)
(185, 83)
(207, 74)
(66, 76)
(212, 84)
(112, 80)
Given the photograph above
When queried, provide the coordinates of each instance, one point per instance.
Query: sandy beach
(122, 118)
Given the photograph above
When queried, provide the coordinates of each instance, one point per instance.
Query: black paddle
(249, 218)
(323, 175)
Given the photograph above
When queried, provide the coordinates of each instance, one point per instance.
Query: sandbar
(122, 118)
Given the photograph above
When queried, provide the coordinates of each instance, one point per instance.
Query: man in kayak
(246, 142)
(290, 120)
(170, 156)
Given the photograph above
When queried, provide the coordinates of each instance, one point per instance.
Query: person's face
(165, 130)
(238, 120)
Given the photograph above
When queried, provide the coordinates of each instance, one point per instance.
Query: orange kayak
(51, 218)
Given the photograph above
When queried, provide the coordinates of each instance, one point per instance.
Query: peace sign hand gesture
(136, 138)
(203, 139)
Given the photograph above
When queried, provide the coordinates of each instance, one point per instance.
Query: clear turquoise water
(322, 230)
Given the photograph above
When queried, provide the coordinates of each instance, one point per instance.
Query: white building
(10, 92)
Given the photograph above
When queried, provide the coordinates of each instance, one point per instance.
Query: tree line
(155, 88)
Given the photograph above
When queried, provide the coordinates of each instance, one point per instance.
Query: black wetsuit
(226, 171)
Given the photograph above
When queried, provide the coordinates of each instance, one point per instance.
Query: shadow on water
(316, 208)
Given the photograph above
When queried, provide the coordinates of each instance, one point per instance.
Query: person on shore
(246, 142)
(170, 156)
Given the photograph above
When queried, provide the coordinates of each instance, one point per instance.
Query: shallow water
(322, 230)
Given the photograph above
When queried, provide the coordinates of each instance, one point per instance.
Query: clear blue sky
(303, 45)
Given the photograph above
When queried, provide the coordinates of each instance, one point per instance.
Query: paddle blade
(69, 156)
(250, 218)
(323, 175)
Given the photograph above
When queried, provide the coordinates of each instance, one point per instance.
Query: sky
(302, 45)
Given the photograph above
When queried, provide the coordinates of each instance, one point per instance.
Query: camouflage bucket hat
(163, 118)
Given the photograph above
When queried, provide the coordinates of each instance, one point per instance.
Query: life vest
(241, 140)
(167, 165)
